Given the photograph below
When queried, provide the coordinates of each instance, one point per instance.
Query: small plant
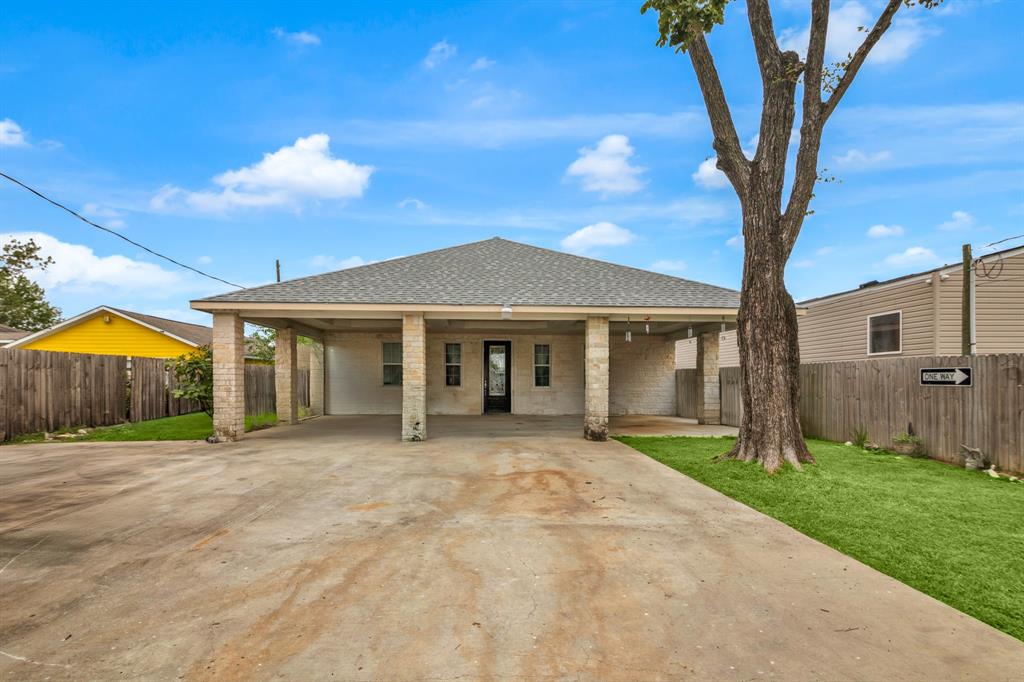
(907, 443)
(194, 371)
(859, 436)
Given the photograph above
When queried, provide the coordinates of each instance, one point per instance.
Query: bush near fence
(48, 391)
(885, 396)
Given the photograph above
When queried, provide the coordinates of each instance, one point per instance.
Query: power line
(1019, 236)
(117, 234)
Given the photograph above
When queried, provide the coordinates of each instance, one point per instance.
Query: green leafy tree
(23, 303)
(767, 323)
(194, 372)
(261, 344)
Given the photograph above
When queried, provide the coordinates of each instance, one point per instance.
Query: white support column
(228, 376)
(595, 418)
(414, 377)
(316, 379)
(286, 376)
(709, 397)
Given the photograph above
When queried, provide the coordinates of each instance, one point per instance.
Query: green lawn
(197, 426)
(953, 534)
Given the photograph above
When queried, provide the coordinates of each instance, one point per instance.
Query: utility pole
(277, 266)
(966, 316)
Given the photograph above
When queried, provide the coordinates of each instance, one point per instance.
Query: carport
(491, 327)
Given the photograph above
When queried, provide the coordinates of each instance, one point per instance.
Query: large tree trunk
(769, 349)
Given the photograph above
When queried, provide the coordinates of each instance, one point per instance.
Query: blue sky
(329, 135)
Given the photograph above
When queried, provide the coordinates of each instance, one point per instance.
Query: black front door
(497, 376)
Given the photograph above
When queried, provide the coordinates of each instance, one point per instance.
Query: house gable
(105, 332)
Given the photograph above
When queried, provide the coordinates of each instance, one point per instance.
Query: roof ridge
(366, 265)
(157, 317)
(608, 262)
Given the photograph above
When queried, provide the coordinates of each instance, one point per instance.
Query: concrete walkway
(329, 550)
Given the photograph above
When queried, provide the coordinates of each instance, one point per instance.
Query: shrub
(194, 371)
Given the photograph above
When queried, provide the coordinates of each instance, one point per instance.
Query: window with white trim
(453, 364)
(541, 364)
(392, 354)
(885, 333)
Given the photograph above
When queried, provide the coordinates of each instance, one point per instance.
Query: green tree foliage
(194, 371)
(23, 303)
(261, 344)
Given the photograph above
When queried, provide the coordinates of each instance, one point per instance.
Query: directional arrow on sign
(946, 376)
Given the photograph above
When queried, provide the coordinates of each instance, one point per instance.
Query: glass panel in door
(496, 371)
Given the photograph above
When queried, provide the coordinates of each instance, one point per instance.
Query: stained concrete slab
(331, 550)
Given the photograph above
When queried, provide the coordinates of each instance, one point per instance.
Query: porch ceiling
(316, 326)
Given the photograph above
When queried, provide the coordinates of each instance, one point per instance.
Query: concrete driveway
(330, 551)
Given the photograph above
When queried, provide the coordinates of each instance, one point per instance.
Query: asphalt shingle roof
(198, 334)
(493, 272)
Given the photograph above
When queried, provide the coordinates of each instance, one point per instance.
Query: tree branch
(769, 57)
(731, 160)
(857, 60)
(806, 171)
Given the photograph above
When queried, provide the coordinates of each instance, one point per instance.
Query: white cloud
(881, 231)
(708, 175)
(825, 250)
(735, 241)
(844, 36)
(439, 53)
(303, 38)
(857, 158)
(305, 170)
(914, 256)
(606, 168)
(76, 268)
(668, 266)
(204, 260)
(961, 220)
(597, 235)
(412, 201)
(11, 134)
(481, 64)
(110, 217)
(803, 263)
(325, 263)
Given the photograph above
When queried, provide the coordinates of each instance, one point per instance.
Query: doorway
(497, 376)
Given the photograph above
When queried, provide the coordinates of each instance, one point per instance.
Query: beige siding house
(917, 314)
(484, 328)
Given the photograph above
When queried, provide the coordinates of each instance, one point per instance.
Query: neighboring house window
(393, 364)
(452, 364)
(885, 333)
(542, 365)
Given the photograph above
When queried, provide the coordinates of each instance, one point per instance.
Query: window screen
(884, 333)
(453, 364)
(392, 364)
(542, 365)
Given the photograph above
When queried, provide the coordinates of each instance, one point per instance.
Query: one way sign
(946, 376)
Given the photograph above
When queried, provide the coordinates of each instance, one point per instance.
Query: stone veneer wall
(643, 377)
(641, 372)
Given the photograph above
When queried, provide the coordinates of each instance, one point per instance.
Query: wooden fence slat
(885, 397)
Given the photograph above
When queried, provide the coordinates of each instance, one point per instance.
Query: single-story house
(112, 331)
(918, 314)
(9, 335)
(488, 327)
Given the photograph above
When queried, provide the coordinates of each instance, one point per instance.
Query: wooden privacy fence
(261, 392)
(885, 397)
(686, 393)
(151, 391)
(44, 391)
(47, 391)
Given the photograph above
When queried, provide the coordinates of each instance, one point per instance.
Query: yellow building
(111, 331)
